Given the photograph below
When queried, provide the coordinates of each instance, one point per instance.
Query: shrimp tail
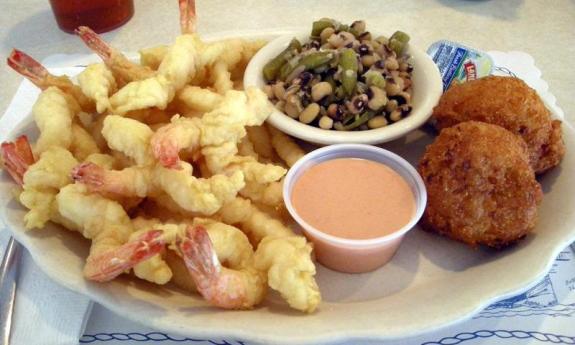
(187, 16)
(17, 156)
(110, 264)
(198, 253)
(219, 289)
(89, 174)
(95, 42)
(167, 152)
(26, 66)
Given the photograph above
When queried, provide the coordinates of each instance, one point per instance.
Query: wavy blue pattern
(152, 336)
(504, 334)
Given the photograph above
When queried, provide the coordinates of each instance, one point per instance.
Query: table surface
(545, 32)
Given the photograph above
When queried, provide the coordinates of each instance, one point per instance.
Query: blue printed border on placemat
(504, 334)
(152, 336)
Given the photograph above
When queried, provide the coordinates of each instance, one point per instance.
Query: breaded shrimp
(290, 270)
(239, 287)
(130, 137)
(180, 134)
(286, 148)
(83, 145)
(98, 83)
(202, 195)
(53, 113)
(108, 226)
(123, 69)
(176, 69)
(199, 99)
(39, 76)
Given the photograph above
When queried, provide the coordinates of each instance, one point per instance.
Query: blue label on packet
(458, 64)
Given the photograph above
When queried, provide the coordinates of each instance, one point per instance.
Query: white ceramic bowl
(427, 89)
(349, 255)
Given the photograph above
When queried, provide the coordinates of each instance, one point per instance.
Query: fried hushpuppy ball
(509, 103)
(481, 188)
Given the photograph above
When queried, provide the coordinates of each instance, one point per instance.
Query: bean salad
(342, 78)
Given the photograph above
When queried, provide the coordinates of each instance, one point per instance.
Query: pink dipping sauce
(353, 198)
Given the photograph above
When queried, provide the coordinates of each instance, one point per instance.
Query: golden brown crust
(481, 188)
(509, 103)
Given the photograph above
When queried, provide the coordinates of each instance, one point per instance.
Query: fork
(8, 276)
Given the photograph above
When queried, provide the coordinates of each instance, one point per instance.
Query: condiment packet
(458, 63)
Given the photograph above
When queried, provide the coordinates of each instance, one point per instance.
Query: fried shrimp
(511, 104)
(285, 147)
(239, 287)
(108, 226)
(53, 113)
(134, 156)
(202, 195)
(130, 137)
(481, 188)
(123, 69)
(97, 82)
(177, 68)
(290, 270)
(39, 76)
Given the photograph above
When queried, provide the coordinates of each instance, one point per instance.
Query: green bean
(373, 78)
(398, 41)
(311, 61)
(349, 66)
(360, 120)
(272, 68)
(318, 26)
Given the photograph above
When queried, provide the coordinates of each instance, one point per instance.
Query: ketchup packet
(458, 63)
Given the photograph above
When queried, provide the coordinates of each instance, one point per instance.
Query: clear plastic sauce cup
(355, 255)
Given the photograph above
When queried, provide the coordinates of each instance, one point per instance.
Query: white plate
(432, 282)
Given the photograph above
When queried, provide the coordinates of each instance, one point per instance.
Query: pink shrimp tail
(200, 258)
(167, 153)
(17, 156)
(199, 254)
(27, 67)
(95, 42)
(187, 16)
(111, 264)
(89, 174)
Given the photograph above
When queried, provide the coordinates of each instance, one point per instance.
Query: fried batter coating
(509, 103)
(481, 188)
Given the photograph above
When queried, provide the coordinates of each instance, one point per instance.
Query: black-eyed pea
(395, 115)
(392, 87)
(377, 122)
(368, 60)
(336, 41)
(358, 26)
(382, 40)
(391, 63)
(268, 89)
(391, 106)
(378, 98)
(309, 113)
(281, 105)
(320, 90)
(325, 122)
(326, 33)
(366, 36)
(293, 106)
(403, 66)
(279, 90)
